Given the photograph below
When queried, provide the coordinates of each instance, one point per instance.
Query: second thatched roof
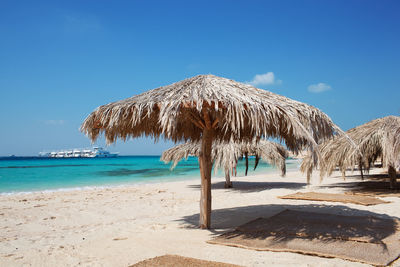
(225, 155)
(378, 138)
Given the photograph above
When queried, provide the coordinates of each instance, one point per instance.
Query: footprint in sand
(158, 227)
(120, 238)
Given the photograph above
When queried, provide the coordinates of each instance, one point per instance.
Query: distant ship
(96, 152)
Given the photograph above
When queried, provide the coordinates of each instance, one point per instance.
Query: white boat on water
(95, 152)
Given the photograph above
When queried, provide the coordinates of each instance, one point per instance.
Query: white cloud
(54, 122)
(264, 79)
(319, 88)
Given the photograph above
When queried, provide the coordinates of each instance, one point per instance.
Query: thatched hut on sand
(205, 108)
(378, 138)
(225, 155)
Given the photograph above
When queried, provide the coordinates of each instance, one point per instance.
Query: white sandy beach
(121, 226)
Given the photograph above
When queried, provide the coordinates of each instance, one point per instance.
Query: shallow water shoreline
(47, 175)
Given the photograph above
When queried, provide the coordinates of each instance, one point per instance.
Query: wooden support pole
(228, 183)
(197, 123)
(392, 176)
(283, 171)
(246, 155)
(256, 162)
(343, 171)
(215, 123)
(205, 163)
(309, 173)
(361, 169)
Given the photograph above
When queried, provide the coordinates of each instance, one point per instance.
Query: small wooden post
(361, 169)
(343, 171)
(256, 162)
(228, 183)
(392, 176)
(246, 155)
(309, 173)
(283, 171)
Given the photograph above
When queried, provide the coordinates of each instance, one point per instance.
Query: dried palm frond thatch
(378, 138)
(226, 155)
(236, 111)
(206, 108)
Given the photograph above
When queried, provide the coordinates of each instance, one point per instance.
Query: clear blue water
(39, 174)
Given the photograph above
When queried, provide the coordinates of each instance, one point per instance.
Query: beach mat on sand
(179, 261)
(364, 239)
(344, 198)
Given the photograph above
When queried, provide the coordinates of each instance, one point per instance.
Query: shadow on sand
(223, 220)
(254, 186)
(374, 184)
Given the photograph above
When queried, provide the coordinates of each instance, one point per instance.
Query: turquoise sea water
(40, 174)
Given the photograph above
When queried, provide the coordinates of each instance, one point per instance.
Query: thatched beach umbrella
(206, 108)
(226, 155)
(378, 138)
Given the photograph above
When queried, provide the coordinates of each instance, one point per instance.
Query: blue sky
(59, 60)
